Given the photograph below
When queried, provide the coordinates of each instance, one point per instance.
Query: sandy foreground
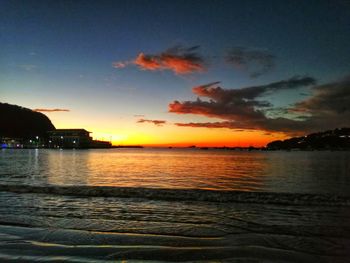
(49, 228)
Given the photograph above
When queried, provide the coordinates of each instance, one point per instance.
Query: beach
(40, 227)
(54, 217)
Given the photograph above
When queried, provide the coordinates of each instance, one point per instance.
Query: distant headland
(20, 122)
(24, 128)
(337, 139)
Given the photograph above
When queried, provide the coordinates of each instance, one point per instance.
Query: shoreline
(167, 194)
(72, 228)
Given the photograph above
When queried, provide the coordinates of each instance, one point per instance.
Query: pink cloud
(178, 59)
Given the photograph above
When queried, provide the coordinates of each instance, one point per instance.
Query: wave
(183, 194)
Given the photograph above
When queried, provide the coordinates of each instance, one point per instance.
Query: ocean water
(291, 172)
(140, 205)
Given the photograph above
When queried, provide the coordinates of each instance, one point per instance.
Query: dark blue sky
(59, 54)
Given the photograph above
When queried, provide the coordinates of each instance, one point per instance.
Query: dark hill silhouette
(19, 122)
(332, 139)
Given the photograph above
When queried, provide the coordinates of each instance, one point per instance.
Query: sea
(174, 205)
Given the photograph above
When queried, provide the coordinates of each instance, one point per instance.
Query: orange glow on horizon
(129, 132)
(243, 139)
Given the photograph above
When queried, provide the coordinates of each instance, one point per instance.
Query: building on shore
(69, 138)
(6, 142)
(74, 138)
(33, 142)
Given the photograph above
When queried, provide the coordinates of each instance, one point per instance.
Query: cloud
(244, 108)
(27, 67)
(234, 104)
(276, 125)
(328, 107)
(178, 59)
(328, 99)
(255, 62)
(148, 62)
(223, 124)
(51, 110)
(120, 64)
(139, 115)
(155, 122)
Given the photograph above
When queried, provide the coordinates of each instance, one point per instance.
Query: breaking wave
(183, 194)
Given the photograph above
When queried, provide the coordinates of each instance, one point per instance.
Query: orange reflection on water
(292, 172)
(157, 168)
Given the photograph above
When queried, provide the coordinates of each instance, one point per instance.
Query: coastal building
(6, 142)
(74, 138)
(100, 144)
(69, 138)
(59, 138)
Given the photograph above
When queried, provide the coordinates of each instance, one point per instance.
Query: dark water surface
(138, 205)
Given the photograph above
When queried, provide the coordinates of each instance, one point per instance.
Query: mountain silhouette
(19, 122)
(331, 139)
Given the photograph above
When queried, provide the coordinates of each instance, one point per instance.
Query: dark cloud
(328, 99)
(178, 59)
(277, 125)
(327, 108)
(51, 110)
(234, 104)
(250, 93)
(155, 122)
(255, 62)
(223, 124)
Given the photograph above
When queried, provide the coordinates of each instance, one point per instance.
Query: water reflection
(314, 172)
(176, 169)
(68, 167)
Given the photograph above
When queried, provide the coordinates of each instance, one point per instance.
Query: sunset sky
(209, 73)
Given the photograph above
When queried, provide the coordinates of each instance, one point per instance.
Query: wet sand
(57, 228)
(55, 245)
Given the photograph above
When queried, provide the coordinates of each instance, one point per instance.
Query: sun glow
(183, 137)
(115, 138)
(130, 132)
